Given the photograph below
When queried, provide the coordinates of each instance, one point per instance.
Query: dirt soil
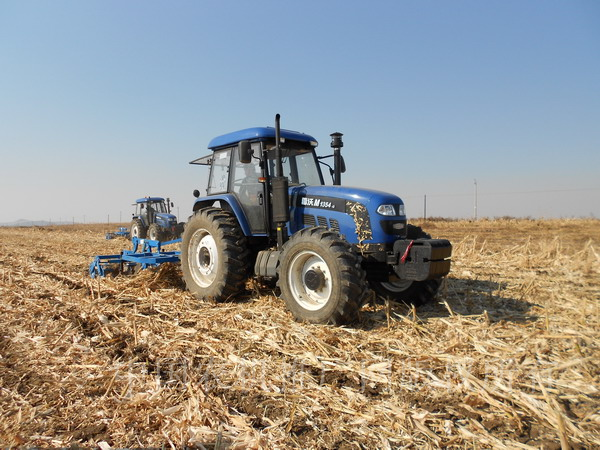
(506, 357)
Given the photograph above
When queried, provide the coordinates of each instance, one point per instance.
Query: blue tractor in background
(153, 219)
(268, 213)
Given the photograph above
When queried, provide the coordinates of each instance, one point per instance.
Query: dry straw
(507, 357)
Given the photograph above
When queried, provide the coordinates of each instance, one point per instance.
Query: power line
(479, 193)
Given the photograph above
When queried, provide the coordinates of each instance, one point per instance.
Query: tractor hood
(356, 213)
(335, 197)
(166, 217)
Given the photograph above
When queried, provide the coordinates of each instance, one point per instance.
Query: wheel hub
(204, 257)
(314, 279)
(310, 280)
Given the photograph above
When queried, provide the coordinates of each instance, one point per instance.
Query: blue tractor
(153, 219)
(268, 213)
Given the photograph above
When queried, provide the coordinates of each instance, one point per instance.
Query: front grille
(309, 220)
(395, 227)
(312, 221)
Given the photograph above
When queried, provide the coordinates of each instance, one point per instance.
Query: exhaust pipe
(280, 185)
(279, 165)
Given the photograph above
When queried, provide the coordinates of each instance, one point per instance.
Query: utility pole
(475, 205)
(425, 208)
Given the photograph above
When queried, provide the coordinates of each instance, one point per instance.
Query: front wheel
(415, 292)
(214, 255)
(321, 279)
(155, 233)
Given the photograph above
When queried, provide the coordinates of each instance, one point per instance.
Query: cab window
(219, 172)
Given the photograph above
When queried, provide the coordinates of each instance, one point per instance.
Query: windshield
(158, 207)
(300, 166)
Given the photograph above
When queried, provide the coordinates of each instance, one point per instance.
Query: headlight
(386, 210)
(391, 210)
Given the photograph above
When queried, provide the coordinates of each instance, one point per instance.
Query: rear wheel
(214, 255)
(155, 232)
(138, 229)
(415, 292)
(321, 279)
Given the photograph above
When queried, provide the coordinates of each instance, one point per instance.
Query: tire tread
(234, 253)
(352, 275)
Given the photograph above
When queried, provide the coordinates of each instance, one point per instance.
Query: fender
(234, 206)
(140, 218)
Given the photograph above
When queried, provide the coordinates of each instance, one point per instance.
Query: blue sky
(102, 102)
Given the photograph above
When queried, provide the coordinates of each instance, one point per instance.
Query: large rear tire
(214, 255)
(415, 292)
(320, 278)
(138, 229)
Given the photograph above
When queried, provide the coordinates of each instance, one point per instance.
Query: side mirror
(342, 164)
(196, 193)
(245, 152)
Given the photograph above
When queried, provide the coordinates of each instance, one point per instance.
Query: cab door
(249, 191)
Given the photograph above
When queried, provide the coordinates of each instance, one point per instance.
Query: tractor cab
(243, 163)
(153, 218)
(148, 208)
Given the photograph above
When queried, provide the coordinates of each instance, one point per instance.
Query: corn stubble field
(507, 356)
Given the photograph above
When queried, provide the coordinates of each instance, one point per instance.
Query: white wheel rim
(135, 232)
(203, 258)
(309, 299)
(397, 286)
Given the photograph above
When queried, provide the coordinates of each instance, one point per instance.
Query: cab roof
(258, 134)
(150, 200)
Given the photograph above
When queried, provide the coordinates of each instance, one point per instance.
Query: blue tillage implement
(123, 231)
(151, 255)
